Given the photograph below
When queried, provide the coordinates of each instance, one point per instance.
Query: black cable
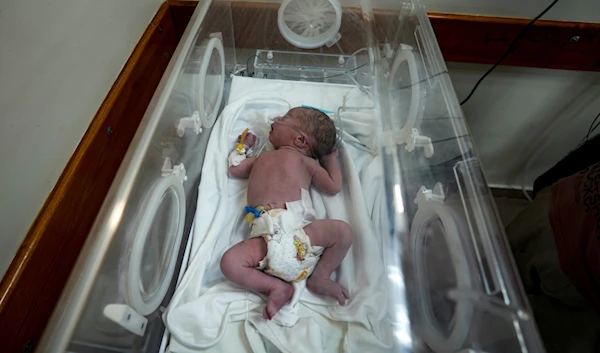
(304, 78)
(596, 126)
(510, 48)
(420, 81)
(248, 63)
(450, 139)
(592, 127)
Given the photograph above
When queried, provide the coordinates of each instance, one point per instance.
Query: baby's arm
(327, 177)
(243, 169)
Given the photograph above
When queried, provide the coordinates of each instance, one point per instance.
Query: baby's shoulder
(310, 162)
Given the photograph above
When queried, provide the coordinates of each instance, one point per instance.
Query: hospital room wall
(59, 60)
(524, 120)
(524, 116)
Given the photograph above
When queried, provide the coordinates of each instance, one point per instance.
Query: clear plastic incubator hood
(429, 269)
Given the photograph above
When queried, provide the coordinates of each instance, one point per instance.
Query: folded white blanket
(207, 311)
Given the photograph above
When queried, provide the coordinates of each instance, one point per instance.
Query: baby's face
(284, 130)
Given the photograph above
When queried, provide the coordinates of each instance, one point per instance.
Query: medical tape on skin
(235, 157)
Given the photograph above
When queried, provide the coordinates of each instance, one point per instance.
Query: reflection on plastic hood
(398, 199)
(116, 216)
(395, 276)
(403, 337)
(401, 321)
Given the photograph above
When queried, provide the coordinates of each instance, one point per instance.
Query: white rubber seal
(209, 117)
(141, 301)
(309, 24)
(405, 54)
(437, 340)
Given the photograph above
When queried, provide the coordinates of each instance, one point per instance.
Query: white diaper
(290, 255)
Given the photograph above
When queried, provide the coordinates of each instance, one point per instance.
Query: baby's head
(306, 129)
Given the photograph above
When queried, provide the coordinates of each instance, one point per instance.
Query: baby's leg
(238, 265)
(336, 237)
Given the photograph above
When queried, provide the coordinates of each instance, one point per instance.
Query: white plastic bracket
(126, 317)
(178, 170)
(425, 195)
(411, 138)
(194, 122)
(414, 139)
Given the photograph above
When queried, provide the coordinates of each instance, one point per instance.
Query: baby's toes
(266, 314)
(341, 298)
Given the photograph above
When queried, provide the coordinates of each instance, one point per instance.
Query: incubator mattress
(209, 313)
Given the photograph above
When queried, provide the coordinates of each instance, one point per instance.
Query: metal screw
(166, 55)
(28, 346)
(574, 39)
(109, 131)
(160, 29)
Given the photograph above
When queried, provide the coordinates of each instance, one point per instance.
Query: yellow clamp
(240, 146)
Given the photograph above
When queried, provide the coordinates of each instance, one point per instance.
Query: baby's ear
(302, 141)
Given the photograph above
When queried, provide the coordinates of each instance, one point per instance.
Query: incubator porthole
(159, 245)
(211, 80)
(440, 266)
(153, 242)
(400, 95)
(439, 275)
(405, 93)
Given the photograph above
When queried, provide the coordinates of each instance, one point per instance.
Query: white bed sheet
(209, 313)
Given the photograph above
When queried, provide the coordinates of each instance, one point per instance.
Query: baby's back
(277, 177)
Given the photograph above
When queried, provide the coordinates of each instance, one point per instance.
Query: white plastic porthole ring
(463, 312)
(309, 15)
(405, 54)
(146, 306)
(213, 43)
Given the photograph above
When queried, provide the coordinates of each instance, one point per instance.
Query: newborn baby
(286, 241)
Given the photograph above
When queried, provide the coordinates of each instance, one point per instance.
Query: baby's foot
(278, 297)
(328, 287)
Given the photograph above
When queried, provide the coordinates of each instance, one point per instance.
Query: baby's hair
(318, 125)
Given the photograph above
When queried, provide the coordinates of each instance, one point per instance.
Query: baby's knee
(344, 233)
(228, 262)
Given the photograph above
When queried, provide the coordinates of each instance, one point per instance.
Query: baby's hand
(332, 155)
(250, 139)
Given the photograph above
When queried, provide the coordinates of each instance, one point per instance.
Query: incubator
(429, 269)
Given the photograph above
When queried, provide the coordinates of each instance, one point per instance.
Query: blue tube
(322, 110)
(252, 210)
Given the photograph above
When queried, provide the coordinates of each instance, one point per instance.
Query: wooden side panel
(547, 44)
(37, 275)
(473, 39)
(181, 12)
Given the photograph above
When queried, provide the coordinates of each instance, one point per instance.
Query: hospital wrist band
(238, 155)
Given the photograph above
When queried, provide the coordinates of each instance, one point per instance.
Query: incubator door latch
(414, 139)
(126, 317)
(411, 138)
(178, 170)
(425, 195)
(194, 122)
